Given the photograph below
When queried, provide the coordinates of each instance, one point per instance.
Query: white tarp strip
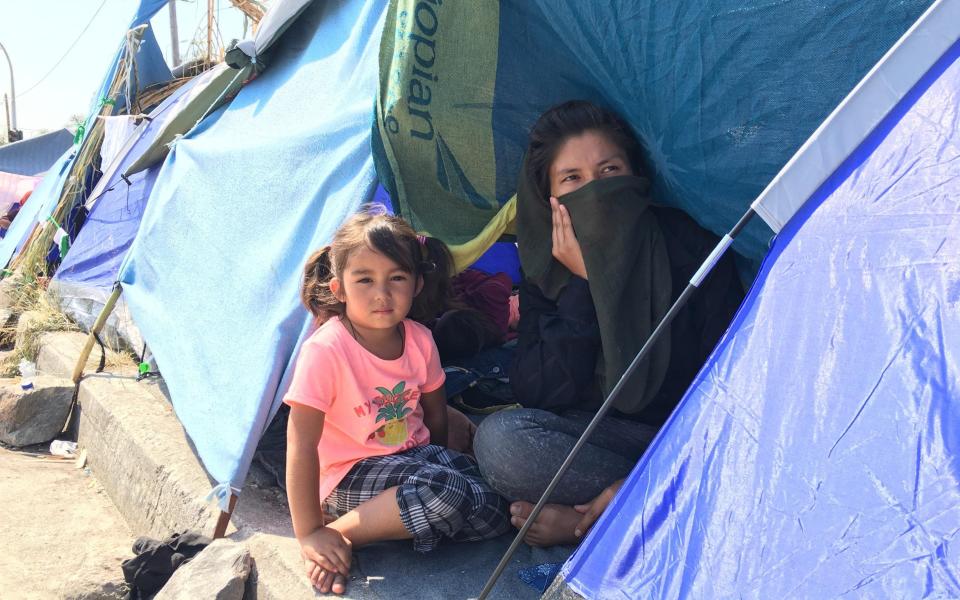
(274, 22)
(860, 112)
(116, 131)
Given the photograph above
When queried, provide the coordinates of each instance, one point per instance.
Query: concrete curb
(141, 455)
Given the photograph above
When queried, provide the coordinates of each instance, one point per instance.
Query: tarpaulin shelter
(248, 58)
(151, 68)
(722, 97)
(212, 276)
(87, 274)
(816, 454)
(13, 188)
(35, 155)
(720, 94)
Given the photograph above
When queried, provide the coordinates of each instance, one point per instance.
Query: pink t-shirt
(371, 405)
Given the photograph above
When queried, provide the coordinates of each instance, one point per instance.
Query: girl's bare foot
(555, 524)
(326, 581)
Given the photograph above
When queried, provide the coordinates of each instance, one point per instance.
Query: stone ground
(60, 535)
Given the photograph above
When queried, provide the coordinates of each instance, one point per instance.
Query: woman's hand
(566, 248)
(327, 555)
(595, 508)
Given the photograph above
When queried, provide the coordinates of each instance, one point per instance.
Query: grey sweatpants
(520, 450)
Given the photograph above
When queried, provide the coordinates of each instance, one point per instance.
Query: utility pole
(209, 29)
(6, 106)
(174, 35)
(13, 91)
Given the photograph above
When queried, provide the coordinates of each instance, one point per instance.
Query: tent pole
(221, 529)
(97, 326)
(661, 327)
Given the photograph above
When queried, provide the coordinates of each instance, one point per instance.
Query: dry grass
(38, 315)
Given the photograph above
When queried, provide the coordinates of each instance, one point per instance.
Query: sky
(38, 33)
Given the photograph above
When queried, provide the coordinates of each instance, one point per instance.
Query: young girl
(368, 417)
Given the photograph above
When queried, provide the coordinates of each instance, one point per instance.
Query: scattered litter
(28, 371)
(81, 459)
(541, 576)
(63, 448)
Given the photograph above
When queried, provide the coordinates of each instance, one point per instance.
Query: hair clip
(422, 239)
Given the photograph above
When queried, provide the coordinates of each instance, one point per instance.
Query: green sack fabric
(721, 94)
(628, 268)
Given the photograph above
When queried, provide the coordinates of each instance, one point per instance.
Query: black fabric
(558, 346)
(629, 271)
(156, 560)
(560, 340)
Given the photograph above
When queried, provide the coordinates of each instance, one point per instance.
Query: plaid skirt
(440, 493)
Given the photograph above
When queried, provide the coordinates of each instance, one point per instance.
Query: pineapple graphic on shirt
(392, 409)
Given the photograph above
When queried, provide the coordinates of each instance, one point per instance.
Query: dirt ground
(60, 535)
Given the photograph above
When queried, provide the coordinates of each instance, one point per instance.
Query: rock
(112, 590)
(34, 416)
(219, 572)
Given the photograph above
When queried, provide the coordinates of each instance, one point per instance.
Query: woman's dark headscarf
(623, 248)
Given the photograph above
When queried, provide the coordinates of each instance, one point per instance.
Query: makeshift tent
(35, 155)
(87, 274)
(721, 94)
(274, 156)
(247, 58)
(13, 188)
(816, 454)
(212, 277)
(150, 68)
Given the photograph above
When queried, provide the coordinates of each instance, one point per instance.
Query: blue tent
(818, 452)
(36, 155)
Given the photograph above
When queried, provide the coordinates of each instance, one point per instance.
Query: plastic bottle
(28, 371)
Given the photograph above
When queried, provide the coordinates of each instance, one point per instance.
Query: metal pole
(174, 34)
(13, 90)
(661, 327)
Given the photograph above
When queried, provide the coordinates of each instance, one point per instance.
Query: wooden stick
(221, 529)
(91, 339)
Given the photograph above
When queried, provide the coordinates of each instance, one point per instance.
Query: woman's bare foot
(554, 525)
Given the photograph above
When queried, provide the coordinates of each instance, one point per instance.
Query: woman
(602, 265)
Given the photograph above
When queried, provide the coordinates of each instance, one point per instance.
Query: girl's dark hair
(394, 238)
(569, 119)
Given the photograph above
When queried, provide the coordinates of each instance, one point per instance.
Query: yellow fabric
(503, 222)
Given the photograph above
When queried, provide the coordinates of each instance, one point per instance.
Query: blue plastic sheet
(45, 197)
(100, 247)
(213, 277)
(818, 453)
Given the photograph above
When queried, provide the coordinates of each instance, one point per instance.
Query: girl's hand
(460, 431)
(595, 508)
(435, 415)
(566, 248)
(327, 555)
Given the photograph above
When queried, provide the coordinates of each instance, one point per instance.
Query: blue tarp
(720, 93)
(213, 277)
(100, 247)
(36, 155)
(44, 199)
(818, 453)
